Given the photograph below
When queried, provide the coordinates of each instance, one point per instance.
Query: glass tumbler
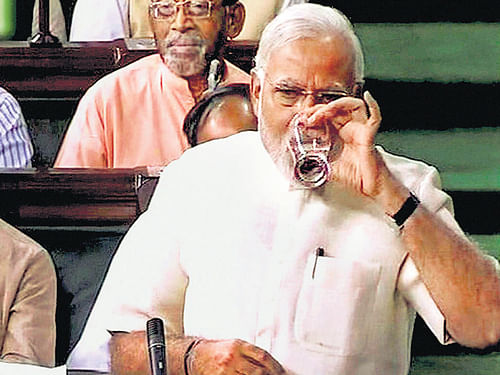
(310, 147)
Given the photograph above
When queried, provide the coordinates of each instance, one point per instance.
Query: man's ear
(255, 87)
(235, 17)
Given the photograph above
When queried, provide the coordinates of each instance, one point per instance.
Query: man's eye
(198, 7)
(166, 10)
(288, 94)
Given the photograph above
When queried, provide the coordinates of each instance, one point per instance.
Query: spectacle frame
(290, 95)
(167, 10)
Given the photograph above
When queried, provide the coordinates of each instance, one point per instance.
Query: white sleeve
(417, 295)
(97, 20)
(144, 280)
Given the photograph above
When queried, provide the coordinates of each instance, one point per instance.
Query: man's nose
(181, 21)
(308, 100)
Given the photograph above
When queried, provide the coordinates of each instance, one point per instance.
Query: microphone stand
(44, 38)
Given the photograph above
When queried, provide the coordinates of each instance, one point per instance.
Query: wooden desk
(74, 197)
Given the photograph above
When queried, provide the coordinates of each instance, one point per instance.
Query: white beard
(276, 146)
(184, 64)
(186, 67)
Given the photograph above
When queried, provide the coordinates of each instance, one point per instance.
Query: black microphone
(156, 346)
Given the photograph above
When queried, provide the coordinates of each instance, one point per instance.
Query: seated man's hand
(357, 165)
(228, 357)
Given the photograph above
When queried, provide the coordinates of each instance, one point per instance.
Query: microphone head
(154, 332)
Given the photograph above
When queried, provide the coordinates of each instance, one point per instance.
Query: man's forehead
(336, 50)
(312, 63)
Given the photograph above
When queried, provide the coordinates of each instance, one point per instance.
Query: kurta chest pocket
(335, 305)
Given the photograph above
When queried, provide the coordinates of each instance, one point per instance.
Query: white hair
(307, 21)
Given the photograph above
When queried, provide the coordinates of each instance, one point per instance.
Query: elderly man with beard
(134, 116)
(256, 270)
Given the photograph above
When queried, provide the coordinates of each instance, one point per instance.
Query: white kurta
(228, 250)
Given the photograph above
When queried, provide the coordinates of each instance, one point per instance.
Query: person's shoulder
(139, 66)
(146, 62)
(129, 75)
(233, 149)
(216, 158)
(6, 98)
(16, 244)
(220, 168)
(10, 114)
(3, 94)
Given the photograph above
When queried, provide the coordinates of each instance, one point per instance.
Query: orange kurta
(132, 117)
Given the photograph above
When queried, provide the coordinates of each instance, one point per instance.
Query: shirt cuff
(416, 293)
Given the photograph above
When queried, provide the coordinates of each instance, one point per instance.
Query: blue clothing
(16, 149)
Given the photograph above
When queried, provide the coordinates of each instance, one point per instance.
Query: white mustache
(180, 39)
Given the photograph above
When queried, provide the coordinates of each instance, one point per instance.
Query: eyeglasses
(167, 10)
(289, 96)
